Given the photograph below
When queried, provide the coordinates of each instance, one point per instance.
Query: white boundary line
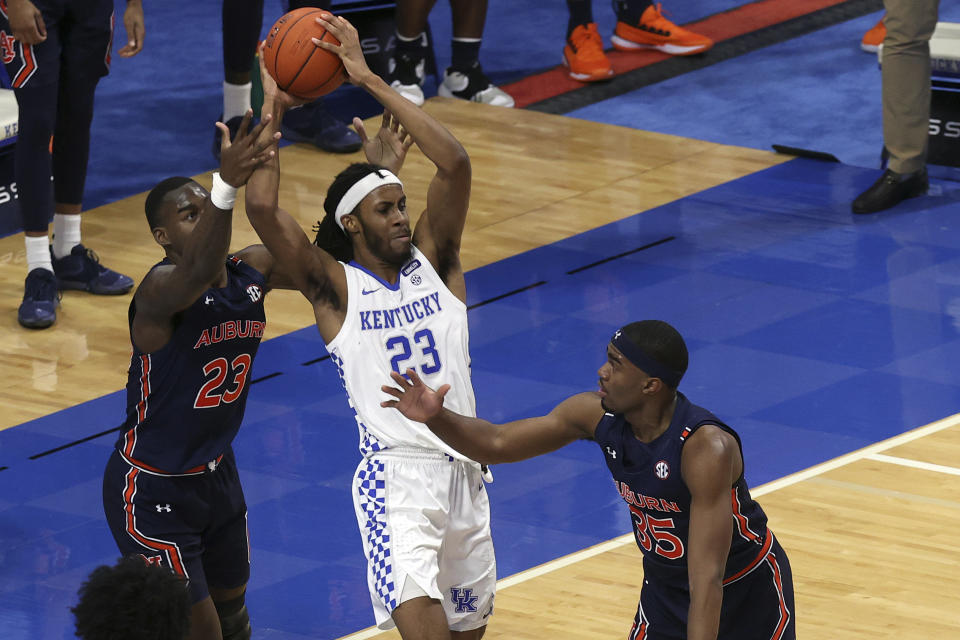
(916, 464)
(871, 451)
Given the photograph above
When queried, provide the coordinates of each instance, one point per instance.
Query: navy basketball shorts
(78, 44)
(196, 524)
(756, 606)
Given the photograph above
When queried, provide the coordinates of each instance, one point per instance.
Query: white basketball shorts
(425, 516)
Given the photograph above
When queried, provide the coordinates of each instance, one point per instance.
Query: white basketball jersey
(417, 323)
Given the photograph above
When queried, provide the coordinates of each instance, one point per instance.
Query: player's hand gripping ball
(298, 66)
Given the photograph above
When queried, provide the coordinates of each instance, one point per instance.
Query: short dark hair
(330, 237)
(156, 195)
(133, 600)
(661, 342)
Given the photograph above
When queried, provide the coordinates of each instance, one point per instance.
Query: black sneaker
(473, 85)
(406, 76)
(314, 124)
(40, 299)
(81, 269)
(890, 189)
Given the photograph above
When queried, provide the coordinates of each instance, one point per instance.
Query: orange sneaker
(873, 39)
(583, 56)
(656, 32)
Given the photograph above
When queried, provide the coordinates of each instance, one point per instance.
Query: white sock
(66, 233)
(422, 37)
(236, 99)
(38, 253)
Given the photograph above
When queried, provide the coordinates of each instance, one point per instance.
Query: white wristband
(222, 195)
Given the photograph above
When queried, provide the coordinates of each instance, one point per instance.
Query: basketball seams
(306, 62)
(276, 57)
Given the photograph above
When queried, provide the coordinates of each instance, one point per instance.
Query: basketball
(297, 65)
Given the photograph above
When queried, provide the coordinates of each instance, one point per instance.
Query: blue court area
(813, 332)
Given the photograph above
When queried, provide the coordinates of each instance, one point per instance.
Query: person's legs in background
(905, 76)
(583, 54)
(242, 24)
(464, 78)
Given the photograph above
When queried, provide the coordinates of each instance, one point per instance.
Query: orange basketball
(300, 67)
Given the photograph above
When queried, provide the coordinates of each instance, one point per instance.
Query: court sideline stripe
(915, 464)
(769, 487)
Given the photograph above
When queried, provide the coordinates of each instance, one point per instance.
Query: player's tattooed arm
(440, 227)
(303, 265)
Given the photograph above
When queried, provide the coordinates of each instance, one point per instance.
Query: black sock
(629, 11)
(411, 48)
(581, 13)
(465, 53)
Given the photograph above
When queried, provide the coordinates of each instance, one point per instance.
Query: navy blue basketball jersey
(185, 401)
(647, 475)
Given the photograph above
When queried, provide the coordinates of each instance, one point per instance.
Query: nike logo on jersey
(405, 314)
(366, 293)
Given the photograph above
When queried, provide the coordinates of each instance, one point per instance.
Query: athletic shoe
(583, 56)
(314, 124)
(656, 32)
(40, 299)
(873, 39)
(474, 86)
(406, 76)
(81, 270)
(233, 124)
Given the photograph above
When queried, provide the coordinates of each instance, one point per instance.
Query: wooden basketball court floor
(828, 342)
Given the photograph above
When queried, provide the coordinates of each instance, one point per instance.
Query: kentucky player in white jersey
(386, 299)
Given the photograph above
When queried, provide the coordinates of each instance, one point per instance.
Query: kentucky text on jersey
(230, 330)
(644, 502)
(405, 314)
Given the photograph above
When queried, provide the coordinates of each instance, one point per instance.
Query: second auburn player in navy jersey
(171, 492)
(712, 568)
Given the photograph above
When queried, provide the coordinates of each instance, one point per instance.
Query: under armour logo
(208, 300)
(611, 452)
(163, 507)
(617, 334)
(464, 599)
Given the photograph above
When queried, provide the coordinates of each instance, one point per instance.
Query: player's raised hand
(133, 23)
(26, 22)
(389, 147)
(270, 89)
(240, 156)
(414, 399)
(349, 48)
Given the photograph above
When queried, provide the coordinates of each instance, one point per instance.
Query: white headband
(360, 190)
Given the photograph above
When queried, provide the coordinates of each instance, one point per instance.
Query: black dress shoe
(890, 189)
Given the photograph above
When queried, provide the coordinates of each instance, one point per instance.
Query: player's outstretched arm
(439, 230)
(168, 290)
(575, 418)
(710, 465)
(298, 262)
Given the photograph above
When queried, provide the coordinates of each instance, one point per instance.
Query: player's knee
(234, 619)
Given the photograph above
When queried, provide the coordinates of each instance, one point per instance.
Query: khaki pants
(906, 81)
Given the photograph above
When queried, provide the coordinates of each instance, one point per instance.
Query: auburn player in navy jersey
(712, 568)
(171, 492)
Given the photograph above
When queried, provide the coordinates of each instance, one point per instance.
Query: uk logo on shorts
(464, 599)
(662, 469)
